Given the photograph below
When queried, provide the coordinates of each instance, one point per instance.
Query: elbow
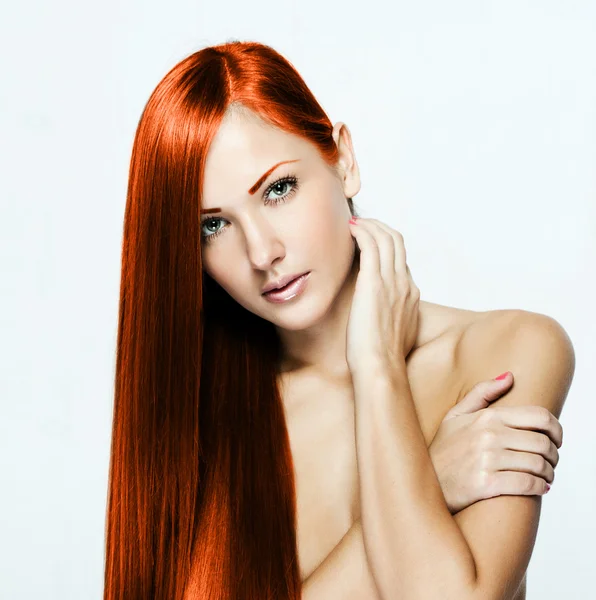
(490, 591)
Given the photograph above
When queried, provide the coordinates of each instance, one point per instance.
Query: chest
(321, 426)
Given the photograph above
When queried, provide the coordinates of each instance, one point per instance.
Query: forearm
(345, 572)
(414, 546)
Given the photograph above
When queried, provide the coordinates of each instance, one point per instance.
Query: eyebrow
(256, 185)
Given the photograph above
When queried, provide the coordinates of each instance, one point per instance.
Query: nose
(263, 244)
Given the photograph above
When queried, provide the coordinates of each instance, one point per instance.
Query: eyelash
(289, 179)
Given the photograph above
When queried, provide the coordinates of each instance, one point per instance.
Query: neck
(321, 348)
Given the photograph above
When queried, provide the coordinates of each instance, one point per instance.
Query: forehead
(244, 147)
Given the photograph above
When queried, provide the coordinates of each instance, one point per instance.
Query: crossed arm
(489, 551)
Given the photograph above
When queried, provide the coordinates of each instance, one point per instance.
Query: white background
(474, 126)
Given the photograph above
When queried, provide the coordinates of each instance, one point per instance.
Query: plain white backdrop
(474, 125)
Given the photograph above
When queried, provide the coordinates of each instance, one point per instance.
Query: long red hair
(201, 496)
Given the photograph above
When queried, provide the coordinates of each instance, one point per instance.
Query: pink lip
(282, 282)
(293, 289)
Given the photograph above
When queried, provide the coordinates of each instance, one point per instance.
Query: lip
(281, 282)
(295, 288)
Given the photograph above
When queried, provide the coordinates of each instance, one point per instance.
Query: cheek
(321, 221)
(224, 277)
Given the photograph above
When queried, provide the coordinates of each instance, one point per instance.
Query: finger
(401, 271)
(386, 247)
(369, 251)
(480, 396)
(525, 462)
(412, 282)
(532, 418)
(491, 389)
(513, 483)
(531, 441)
(400, 257)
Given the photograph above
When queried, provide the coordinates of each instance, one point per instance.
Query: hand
(480, 453)
(383, 321)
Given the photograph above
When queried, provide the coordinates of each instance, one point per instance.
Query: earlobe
(351, 180)
(352, 184)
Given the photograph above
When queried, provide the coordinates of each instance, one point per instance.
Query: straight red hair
(201, 497)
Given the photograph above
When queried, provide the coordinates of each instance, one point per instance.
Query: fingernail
(502, 376)
(353, 220)
(548, 486)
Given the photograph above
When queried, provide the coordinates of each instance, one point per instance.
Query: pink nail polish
(502, 376)
(548, 486)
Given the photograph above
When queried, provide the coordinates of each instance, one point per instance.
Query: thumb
(481, 395)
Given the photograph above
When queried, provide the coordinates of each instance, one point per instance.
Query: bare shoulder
(498, 324)
(458, 346)
(488, 342)
(434, 371)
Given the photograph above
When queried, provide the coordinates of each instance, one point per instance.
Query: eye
(278, 186)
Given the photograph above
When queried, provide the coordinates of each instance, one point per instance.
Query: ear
(347, 166)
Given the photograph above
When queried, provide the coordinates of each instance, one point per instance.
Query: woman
(338, 438)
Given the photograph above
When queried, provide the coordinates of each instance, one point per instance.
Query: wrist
(379, 370)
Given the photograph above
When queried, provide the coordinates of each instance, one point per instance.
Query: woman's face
(295, 221)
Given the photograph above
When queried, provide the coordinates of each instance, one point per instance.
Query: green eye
(290, 181)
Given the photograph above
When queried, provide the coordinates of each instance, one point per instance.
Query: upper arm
(501, 531)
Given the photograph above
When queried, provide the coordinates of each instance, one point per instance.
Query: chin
(307, 312)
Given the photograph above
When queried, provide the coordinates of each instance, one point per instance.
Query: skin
(310, 231)
(257, 243)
